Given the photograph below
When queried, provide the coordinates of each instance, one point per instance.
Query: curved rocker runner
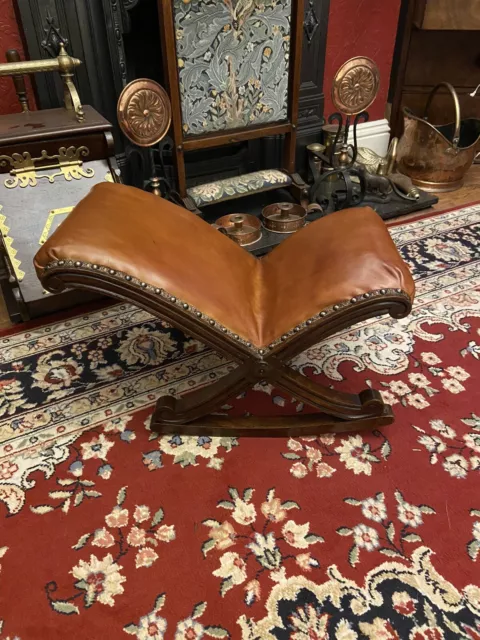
(260, 313)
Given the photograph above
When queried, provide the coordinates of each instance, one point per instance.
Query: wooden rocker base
(259, 314)
(341, 412)
(270, 426)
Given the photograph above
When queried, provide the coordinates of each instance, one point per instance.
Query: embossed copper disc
(144, 112)
(356, 85)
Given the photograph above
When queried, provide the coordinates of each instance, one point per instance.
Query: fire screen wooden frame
(185, 143)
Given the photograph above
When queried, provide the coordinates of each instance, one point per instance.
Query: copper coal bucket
(437, 158)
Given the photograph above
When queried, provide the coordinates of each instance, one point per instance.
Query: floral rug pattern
(109, 530)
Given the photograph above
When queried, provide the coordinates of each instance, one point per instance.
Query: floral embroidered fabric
(231, 188)
(233, 62)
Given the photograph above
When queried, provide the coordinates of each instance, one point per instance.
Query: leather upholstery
(336, 258)
(333, 259)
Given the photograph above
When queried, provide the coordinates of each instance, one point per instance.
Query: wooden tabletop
(47, 124)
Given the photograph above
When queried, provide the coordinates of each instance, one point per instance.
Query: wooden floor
(470, 192)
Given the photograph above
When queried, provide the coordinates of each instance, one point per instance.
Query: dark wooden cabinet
(448, 15)
(434, 45)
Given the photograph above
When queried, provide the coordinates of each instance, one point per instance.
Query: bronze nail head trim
(261, 352)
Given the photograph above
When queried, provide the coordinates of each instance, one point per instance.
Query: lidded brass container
(244, 229)
(284, 217)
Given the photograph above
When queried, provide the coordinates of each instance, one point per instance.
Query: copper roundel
(144, 112)
(356, 85)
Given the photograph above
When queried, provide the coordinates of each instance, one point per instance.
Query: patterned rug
(110, 531)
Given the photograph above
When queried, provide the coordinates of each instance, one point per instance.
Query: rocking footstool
(261, 313)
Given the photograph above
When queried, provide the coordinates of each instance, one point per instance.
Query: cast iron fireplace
(119, 40)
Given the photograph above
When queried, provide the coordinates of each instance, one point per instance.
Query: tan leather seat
(343, 255)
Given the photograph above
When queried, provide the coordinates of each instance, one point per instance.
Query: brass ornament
(355, 85)
(144, 112)
(48, 224)
(25, 173)
(11, 251)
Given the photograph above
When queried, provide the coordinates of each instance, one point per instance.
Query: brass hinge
(25, 173)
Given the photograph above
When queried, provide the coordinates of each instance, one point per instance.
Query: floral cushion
(231, 188)
(232, 58)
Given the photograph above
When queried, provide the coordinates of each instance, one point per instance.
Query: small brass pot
(436, 158)
(242, 228)
(284, 217)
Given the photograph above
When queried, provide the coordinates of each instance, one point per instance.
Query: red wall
(361, 28)
(356, 28)
(9, 39)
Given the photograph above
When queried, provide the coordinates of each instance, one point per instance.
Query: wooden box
(451, 15)
(48, 162)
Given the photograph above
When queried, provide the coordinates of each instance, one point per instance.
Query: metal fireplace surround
(119, 40)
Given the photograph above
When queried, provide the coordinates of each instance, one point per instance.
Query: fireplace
(119, 40)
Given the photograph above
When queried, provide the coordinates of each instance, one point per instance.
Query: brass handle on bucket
(453, 93)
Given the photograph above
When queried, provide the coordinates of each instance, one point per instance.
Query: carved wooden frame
(192, 413)
(217, 139)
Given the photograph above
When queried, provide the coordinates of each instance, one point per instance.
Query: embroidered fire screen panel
(233, 62)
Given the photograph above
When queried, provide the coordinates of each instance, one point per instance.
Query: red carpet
(108, 531)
